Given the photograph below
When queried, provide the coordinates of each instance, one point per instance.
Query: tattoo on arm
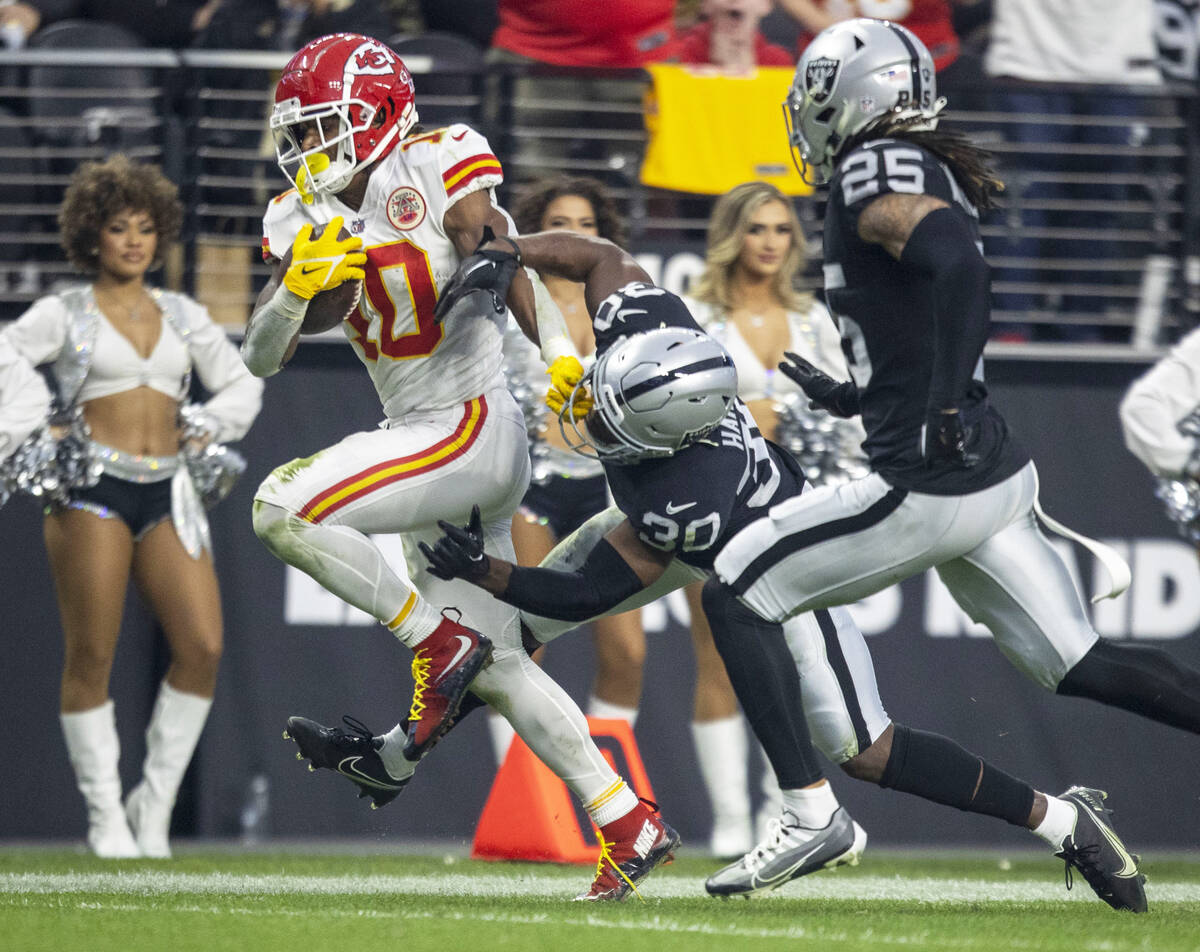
(891, 218)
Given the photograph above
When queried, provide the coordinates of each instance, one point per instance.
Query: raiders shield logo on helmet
(819, 77)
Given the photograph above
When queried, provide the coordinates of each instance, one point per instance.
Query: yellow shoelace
(420, 673)
(606, 855)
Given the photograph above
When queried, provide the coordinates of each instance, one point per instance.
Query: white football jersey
(415, 363)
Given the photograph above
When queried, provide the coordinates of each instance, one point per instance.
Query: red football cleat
(444, 665)
(641, 841)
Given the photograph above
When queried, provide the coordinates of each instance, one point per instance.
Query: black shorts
(141, 506)
(564, 503)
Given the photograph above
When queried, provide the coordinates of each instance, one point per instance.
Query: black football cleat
(353, 754)
(1094, 849)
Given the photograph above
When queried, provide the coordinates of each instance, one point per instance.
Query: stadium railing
(1096, 246)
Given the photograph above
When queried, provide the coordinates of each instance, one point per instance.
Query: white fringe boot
(94, 750)
(171, 739)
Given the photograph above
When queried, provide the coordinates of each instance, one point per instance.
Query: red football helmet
(356, 94)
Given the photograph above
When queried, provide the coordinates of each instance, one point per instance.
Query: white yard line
(813, 934)
(525, 884)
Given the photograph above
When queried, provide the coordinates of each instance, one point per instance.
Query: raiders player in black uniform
(952, 488)
(690, 471)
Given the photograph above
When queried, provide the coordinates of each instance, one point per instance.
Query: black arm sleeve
(602, 582)
(943, 245)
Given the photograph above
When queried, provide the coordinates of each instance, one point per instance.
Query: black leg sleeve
(1138, 678)
(936, 768)
(767, 685)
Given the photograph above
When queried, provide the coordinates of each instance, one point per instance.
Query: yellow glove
(325, 262)
(565, 373)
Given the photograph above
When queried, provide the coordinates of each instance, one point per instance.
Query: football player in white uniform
(415, 203)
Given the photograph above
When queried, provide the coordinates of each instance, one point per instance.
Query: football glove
(824, 393)
(325, 262)
(489, 271)
(946, 439)
(565, 373)
(458, 553)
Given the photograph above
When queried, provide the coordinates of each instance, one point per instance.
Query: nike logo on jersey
(464, 645)
(460, 136)
(349, 768)
(672, 508)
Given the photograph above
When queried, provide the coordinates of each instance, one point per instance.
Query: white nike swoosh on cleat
(348, 768)
(464, 647)
(1129, 868)
(780, 878)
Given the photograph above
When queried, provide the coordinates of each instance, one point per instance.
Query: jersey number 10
(416, 282)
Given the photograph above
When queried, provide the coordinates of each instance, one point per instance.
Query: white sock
(813, 807)
(414, 622)
(612, 804)
(392, 754)
(771, 804)
(597, 707)
(502, 735)
(1058, 822)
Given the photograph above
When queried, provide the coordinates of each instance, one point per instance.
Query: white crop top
(813, 335)
(117, 366)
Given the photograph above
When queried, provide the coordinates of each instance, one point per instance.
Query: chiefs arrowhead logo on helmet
(345, 97)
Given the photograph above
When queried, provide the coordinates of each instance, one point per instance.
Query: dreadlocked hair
(970, 164)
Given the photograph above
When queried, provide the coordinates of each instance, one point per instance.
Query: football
(328, 308)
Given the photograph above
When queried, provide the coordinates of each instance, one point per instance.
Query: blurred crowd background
(1090, 107)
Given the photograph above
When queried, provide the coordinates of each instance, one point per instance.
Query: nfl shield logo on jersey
(405, 208)
(819, 77)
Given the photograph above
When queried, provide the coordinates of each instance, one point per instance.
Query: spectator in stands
(619, 34)
(168, 25)
(958, 69)
(727, 35)
(1036, 47)
(122, 355)
(1177, 33)
(305, 20)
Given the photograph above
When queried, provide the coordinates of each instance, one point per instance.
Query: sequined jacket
(61, 329)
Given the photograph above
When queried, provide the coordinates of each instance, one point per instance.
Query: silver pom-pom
(214, 467)
(525, 375)
(827, 447)
(1182, 501)
(55, 459)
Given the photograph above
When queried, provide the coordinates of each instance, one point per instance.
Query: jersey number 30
(414, 281)
(663, 533)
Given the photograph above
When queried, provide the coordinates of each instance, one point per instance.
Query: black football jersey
(885, 312)
(635, 308)
(691, 503)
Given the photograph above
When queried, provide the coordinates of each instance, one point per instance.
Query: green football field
(209, 899)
